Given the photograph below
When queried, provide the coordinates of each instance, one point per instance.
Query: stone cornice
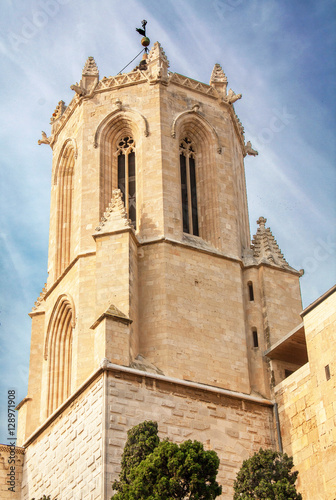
(217, 253)
(123, 80)
(36, 313)
(119, 231)
(318, 301)
(66, 270)
(188, 383)
(137, 77)
(190, 84)
(288, 270)
(24, 401)
(199, 245)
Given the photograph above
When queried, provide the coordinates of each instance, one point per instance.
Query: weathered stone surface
(66, 459)
(146, 294)
(307, 406)
(11, 463)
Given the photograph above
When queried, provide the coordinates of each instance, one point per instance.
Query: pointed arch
(58, 352)
(119, 127)
(191, 114)
(68, 142)
(128, 114)
(63, 178)
(188, 158)
(192, 126)
(65, 297)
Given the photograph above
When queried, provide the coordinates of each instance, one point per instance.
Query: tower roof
(90, 68)
(265, 247)
(157, 53)
(115, 216)
(218, 75)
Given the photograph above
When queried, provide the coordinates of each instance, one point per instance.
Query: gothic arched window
(188, 187)
(64, 209)
(126, 175)
(60, 354)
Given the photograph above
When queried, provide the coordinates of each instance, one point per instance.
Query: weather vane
(145, 41)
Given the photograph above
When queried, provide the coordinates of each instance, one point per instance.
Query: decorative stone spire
(218, 79)
(265, 247)
(157, 64)
(90, 78)
(59, 110)
(115, 217)
(40, 299)
(90, 68)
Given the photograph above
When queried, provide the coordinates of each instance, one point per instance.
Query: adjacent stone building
(307, 399)
(157, 305)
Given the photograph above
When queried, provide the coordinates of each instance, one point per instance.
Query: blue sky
(279, 54)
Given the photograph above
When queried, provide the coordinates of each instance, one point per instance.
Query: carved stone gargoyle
(78, 89)
(231, 97)
(249, 150)
(44, 140)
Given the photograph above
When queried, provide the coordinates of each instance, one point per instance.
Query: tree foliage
(266, 475)
(141, 441)
(168, 471)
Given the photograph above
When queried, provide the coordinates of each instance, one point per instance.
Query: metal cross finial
(142, 31)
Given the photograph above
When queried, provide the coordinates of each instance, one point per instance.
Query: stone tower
(157, 304)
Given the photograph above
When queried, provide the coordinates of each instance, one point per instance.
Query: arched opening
(198, 167)
(188, 187)
(65, 187)
(250, 291)
(118, 163)
(255, 337)
(127, 175)
(59, 353)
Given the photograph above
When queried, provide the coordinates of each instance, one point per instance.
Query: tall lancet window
(64, 210)
(60, 354)
(126, 176)
(188, 187)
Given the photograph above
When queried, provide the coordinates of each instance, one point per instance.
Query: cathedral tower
(157, 304)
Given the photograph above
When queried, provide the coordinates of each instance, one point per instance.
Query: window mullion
(126, 184)
(189, 197)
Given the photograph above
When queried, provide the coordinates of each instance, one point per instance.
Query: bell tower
(153, 281)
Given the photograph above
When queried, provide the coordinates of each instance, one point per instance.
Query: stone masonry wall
(234, 428)
(191, 313)
(307, 407)
(65, 460)
(5, 457)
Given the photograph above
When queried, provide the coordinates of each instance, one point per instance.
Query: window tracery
(188, 187)
(127, 176)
